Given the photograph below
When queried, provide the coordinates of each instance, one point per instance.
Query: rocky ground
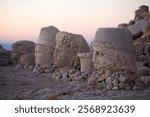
(21, 84)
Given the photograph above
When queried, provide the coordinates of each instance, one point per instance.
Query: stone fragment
(143, 71)
(68, 46)
(115, 88)
(115, 82)
(98, 86)
(145, 79)
(91, 82)
(137, 87)
(121, 85)
(123, 79)
(109, 83)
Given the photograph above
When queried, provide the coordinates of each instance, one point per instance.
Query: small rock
(19, 66)
(121, 85)
(58, 77)
(47, 70)
(138, 82)
(143, 71)
(109, 80)
(103, 84)
(72, 71)
(108, 73)
(52, 97)
(101, 78)
(99, 86)
(123, 78)
(115, 82)
(30, 67)
(91, 82)
(77, 73)
(145, 79)
(115, 88)
(34, 70)
(25, 66)
(127, 87)
(137, 87)
(41, 70)
(109, 86)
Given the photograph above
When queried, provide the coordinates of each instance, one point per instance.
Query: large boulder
(114, 50)
(68, 46)
(20, 49)
(45, 46)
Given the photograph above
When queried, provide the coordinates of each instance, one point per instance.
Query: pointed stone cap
(113, 38)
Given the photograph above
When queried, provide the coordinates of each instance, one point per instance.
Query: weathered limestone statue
(86, 62)
(23, 52)
(114, 50)
(68, 45)
(45, 46)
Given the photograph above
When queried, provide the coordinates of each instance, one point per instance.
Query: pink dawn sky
(23, 19)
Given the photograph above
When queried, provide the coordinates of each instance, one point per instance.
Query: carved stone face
(107, 58)
(21, 48)
(113, 50)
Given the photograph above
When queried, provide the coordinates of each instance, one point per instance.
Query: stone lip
(115, 38)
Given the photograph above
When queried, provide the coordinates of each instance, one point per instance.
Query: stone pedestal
(86, 62)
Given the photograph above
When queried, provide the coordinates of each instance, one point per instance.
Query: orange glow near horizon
(23, 19)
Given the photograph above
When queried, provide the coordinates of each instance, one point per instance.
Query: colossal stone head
(21, 48)
(113, 50)
(45, 46)
(68, 45)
